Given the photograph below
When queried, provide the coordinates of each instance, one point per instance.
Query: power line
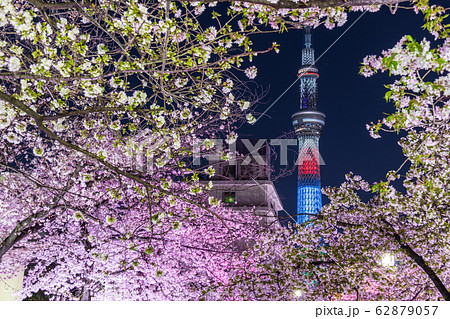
(329, 47)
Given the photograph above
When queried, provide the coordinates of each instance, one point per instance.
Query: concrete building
(244, 182)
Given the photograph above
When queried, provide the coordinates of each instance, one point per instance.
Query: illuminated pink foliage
(101, 109)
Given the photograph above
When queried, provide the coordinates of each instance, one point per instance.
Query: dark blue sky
(349, 100)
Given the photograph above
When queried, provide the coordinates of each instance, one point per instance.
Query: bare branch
(61, 5)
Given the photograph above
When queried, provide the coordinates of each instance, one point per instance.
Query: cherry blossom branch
(25, 227)
(280, 4)
(18, 75)
(83, 112)
(61, 5)
(289, 4)
(419, 261)
(39, 122)
(322, 262)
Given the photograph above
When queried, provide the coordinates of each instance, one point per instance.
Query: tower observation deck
(308, 123)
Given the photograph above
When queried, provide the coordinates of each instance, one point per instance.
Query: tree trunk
(85, 294)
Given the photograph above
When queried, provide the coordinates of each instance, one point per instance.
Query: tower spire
(308, 74)
(308, 124)
(308, 42)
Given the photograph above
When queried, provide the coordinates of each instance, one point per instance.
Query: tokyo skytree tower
(308, 123)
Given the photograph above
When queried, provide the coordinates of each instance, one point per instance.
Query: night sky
(349, 100)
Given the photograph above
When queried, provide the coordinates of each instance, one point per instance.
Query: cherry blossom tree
(396, 245)
(103, 105)
(410, 223)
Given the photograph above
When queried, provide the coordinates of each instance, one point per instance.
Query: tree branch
(323, 262)
(61, 5)
(281, 4)
(39, 122)
(421, 262)
(25, 227)
(83, 112)
(289, 4)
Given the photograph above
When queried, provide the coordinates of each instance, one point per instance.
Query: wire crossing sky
(349, 100)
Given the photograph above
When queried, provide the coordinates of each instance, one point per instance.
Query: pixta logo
(147, 152)
(249, 149)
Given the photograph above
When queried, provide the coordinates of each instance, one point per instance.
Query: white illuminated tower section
(308, 124)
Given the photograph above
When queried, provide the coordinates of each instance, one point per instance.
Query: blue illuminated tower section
(308, 123)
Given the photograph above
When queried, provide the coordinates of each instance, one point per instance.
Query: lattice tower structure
(308, 123)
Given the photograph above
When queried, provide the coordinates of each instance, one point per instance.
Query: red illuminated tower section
(308, 123)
